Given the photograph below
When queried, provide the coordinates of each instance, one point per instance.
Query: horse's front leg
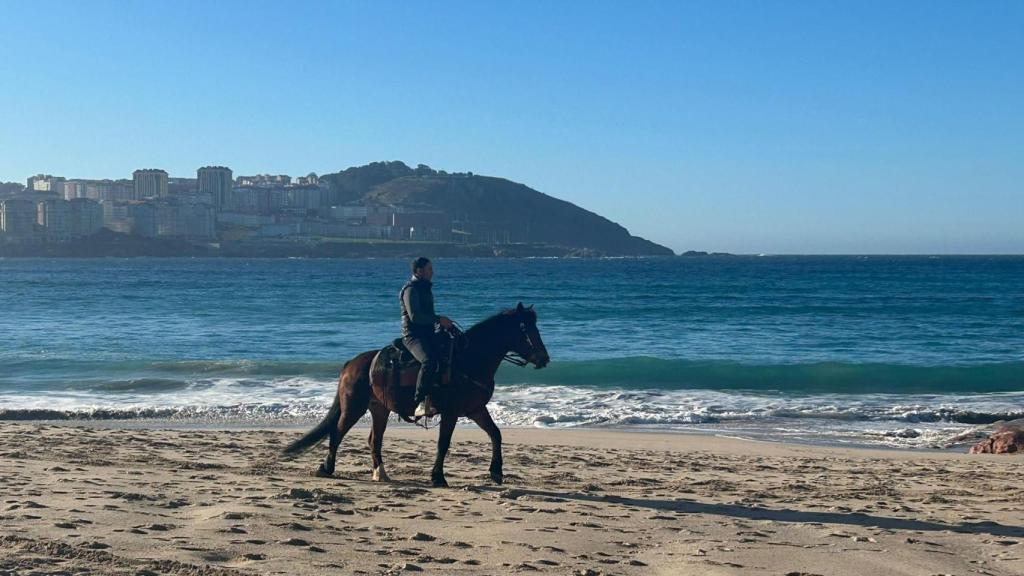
(380, 423)
(444, 440)
(483, 419)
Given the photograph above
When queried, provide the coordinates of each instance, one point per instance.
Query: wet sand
(88, 500)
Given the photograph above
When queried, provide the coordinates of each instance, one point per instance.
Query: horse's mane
(496, 318)
(488, 322)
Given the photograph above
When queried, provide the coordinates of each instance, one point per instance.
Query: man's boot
(423, 387)
(424, 408)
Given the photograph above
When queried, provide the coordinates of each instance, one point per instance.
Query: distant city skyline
(833, 127)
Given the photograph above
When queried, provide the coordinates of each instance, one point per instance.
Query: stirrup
(424, 409)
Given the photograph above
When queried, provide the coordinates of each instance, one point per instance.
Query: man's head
(422, 268)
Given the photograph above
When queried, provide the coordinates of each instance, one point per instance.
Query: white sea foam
(908, 421)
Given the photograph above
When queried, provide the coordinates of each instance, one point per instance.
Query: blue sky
(777, 127)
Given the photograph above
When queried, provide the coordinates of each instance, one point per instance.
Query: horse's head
(527, 343)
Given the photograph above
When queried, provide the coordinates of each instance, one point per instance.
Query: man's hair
(420, 263)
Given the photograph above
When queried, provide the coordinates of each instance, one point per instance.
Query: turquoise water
(899, 350)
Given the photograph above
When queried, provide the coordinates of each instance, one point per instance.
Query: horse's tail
(314, 436)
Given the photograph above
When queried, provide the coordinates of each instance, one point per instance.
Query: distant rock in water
(700, 253)
(1008, 439)
(491, 206)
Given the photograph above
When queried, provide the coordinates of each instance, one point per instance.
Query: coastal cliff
(523, 214)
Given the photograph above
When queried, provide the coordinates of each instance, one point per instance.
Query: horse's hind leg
(483, 419)
(354, 402)
(326, 469)
(380, 423)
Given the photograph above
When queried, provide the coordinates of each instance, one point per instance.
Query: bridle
(513, 358)
(516, 358)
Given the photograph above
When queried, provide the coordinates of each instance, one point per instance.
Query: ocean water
(900, 351)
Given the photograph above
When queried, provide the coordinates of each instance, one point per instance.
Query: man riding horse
(375, 381)
(419, 330)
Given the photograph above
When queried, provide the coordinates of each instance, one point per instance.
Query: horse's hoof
(322, 473)
(497, 478)
(379, 475)
(439, 482)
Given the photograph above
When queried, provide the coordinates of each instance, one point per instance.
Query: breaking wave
(899, 405)
(627, 373)
(819, 377)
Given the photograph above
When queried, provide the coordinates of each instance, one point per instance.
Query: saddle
(399, 367)
(396, 354)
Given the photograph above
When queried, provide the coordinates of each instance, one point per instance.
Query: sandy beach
(90, 500)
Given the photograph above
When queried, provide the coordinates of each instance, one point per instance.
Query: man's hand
(445, 322)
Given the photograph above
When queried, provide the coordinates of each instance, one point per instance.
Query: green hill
(489, 207)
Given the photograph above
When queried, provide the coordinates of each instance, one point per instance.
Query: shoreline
(91, 500)
(683, 436)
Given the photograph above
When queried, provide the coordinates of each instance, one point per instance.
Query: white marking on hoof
(379, 475)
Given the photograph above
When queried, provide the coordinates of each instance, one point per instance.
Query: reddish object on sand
(1006, 440)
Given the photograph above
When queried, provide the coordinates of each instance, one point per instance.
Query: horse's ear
(530, 307)
(520, 308)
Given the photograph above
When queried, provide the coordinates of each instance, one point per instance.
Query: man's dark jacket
(418, 316)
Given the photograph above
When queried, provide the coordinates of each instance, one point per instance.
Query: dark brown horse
(474, 364)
